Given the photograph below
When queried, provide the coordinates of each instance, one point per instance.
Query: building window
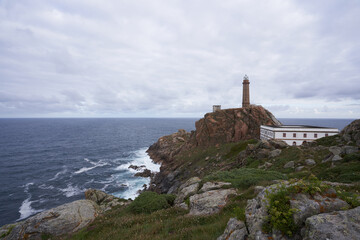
(326, 135)
(294, 143)
(315, 135)
(284, 134)
(294, 135)
(305, 135)
(304, 142)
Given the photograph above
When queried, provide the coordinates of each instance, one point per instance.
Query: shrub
(148, 202)
(280, 213)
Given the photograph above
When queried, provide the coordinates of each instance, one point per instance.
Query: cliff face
(231, 125)
(225, 126)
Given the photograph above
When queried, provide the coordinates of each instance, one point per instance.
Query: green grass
(201, 161)
(244, 177)
(172, 223)
(345, 172)
(238, 147)
(328, 141)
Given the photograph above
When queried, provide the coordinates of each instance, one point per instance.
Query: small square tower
(216, 108)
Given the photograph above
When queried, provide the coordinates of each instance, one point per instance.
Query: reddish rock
(231, 125)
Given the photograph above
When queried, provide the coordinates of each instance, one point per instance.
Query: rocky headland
(221, 182)
(215, 129)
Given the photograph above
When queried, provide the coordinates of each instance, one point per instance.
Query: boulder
(209, 202)
(145, 173)
(336, 158)
(235, 230)
(263, 153)
(278, 144)
(349, 149)
(266, 165)
(310, 162)
(104, 200)
(339, 225)
(190, 187)
(308, 206)
(136, 167)
(335, 150)
(62, 220)
(290, 164)
(256, 212)
(275, 153)
(213, 185)
(299, 168)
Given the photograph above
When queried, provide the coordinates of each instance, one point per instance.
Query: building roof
(298, 127)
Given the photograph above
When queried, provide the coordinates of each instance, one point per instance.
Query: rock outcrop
(103, 200)
(210, 199)
(235, 230)
(64, 219)
(190, 187)
(168, 146)
(351, 133)
(231, 125)
(309, 210)
(339, 225)
(209, 202)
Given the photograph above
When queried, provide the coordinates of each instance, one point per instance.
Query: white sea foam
(140, 158)
(134, 184)
(101, 163)
(44, 186)
(25, 209)
(71, 190)
(59, 173)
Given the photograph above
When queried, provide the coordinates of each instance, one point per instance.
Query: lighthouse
(246, 92)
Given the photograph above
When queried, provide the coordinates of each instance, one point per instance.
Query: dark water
(48, 162)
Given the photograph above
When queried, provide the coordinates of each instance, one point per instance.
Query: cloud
(161, 58)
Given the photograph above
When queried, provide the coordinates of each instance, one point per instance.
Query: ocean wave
(134, 184)
(101, 163)
(140, 157)
(71, 190)
(59, 173)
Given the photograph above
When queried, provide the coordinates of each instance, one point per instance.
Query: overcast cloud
(169, 58)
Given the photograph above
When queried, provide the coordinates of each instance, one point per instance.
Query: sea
(48, 162)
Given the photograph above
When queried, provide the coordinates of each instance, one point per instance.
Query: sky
(177, 58)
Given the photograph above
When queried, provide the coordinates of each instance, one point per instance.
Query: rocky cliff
(217, 128)
(351, 132)
(231, 125)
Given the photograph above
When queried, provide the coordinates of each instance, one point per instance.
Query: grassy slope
(173, 223)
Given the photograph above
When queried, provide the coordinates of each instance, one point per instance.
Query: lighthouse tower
(246, 92)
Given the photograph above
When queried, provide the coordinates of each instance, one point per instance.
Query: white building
(296, 134)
